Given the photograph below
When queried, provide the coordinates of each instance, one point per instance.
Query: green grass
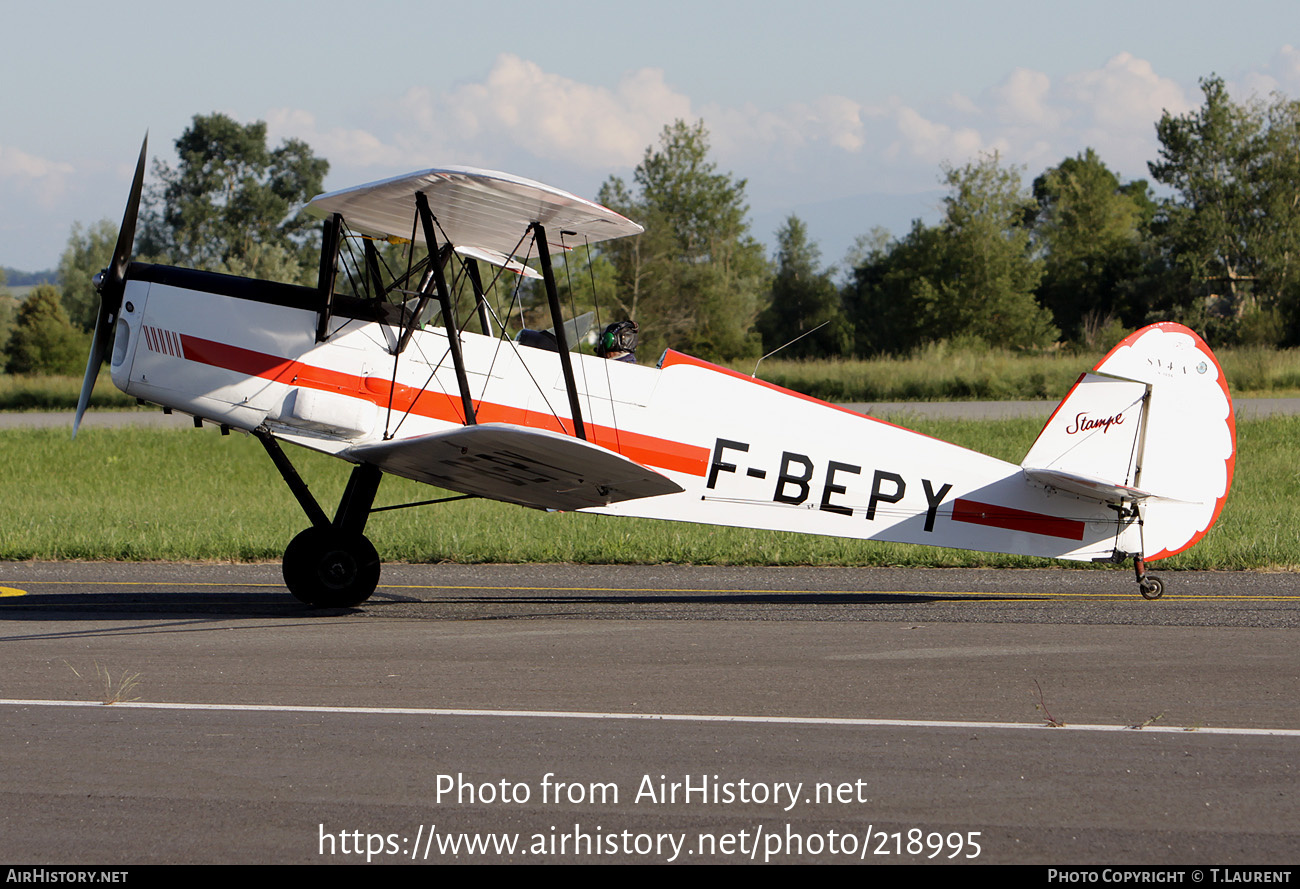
(942, 373)
(56, 393)
(143, 494)
(938, 372)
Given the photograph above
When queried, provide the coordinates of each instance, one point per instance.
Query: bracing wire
(392, 388)
(452, 329)
(503, 336)
(880, 510)
(600, 326)
(1094, 432)
(1137, 434)
(573, 312)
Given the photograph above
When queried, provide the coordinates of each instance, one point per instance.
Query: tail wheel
(1151, 587)
(327, 569)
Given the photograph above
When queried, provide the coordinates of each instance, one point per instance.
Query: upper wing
(531, 467)
(475, 208)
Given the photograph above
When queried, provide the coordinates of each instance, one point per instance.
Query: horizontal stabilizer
(531, 467)
(1090, 487)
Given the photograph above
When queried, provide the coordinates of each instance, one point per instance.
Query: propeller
(111, 284)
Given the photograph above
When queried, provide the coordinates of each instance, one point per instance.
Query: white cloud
(932, 142)
(1118, 106)
(1125, 93)
(523, 117)
(347, 147)
(556, 117)
(839, 121)
(519, 108)
(1036, 121)
(1281, 75)
(46, 180)
(963, 103)
(1030, 118)
(1023, 99)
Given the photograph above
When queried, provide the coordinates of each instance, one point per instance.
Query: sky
(841, 112)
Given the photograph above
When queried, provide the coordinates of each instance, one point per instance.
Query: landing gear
(332, 564)
(1150, 586)
(326, 569)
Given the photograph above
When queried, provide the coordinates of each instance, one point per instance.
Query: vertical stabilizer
(1095, 433)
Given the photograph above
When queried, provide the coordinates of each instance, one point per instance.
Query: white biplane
(376, 367)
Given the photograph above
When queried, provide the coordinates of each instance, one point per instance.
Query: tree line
(1081, 255)
(1076, 256)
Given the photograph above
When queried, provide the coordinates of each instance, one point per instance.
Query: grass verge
(144, 494)
(935, 373)
(941, 373)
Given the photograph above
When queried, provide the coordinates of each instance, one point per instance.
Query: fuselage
(245, 354)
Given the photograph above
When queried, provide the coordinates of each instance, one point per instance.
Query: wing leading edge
(530, 467)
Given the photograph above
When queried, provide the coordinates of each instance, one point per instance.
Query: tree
(695, 279)
(1090, 228)
(678, 182)
(1279, 204)
(234, 205)
(43, 341)
(885, 297)
(1233, 228)
(89, 251)
(971, 277)
(8, 307)
(988, 292)
(803, 300)
(585, 280)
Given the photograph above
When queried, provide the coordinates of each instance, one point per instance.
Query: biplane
(380, 366)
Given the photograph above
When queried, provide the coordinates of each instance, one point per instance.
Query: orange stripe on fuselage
(647, 449)
(975, 513)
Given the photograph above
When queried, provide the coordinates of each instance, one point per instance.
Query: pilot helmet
(617, 337)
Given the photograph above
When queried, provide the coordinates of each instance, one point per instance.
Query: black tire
(327, 570)
(1151, 587)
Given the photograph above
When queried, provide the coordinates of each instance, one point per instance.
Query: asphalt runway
(648, 714)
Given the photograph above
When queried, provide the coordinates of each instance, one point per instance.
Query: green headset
(618, 337)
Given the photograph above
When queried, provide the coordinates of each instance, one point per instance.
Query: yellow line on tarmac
(142, 583)
(977, 595)
(1045, 594)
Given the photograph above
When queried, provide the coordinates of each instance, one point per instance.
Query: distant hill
(14, 278)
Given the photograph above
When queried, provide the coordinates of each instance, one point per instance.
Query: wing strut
(480, 299)
(444, 300)
(561, 338)
(329, 270)
(292, 479)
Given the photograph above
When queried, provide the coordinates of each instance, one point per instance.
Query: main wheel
(330, 570)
